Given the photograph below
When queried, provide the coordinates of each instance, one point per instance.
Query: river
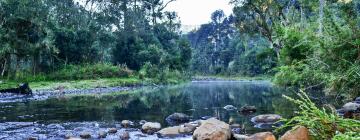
(52, 118)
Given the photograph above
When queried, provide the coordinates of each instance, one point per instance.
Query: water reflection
(196, 99)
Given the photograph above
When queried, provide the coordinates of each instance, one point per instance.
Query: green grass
(78, 84)
(323, 124)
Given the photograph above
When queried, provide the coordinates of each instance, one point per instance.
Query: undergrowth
(323, 124)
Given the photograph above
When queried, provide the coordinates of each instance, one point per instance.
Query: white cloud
(196, 12)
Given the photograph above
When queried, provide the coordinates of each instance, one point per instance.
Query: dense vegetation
(64, 39)
(220, 49)
(316, 42)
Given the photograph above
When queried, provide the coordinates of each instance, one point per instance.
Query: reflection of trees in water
(155, 105)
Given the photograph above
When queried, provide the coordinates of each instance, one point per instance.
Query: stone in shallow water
(125, 136)
(125, 123)
(299, 133)
(267, 118)
(247, 109)
(351, 107)
(112, 130)
(212, 129)
(177, 118)
(262, 136)
(170, 132)
(85, 135)
(150, 127)
(68, 135)
(230, 107)
(102, 134)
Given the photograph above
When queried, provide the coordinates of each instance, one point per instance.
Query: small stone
(33, 138)
(102, 134)
(68, 135)
(267, 118)
(262, 136)
(351, 106)
(248, 109)
(188, 128)
(177, 118)
(240, 137)
(125, 136)
(142, 122)
(112, 130)
(170, 131)
(125, 123)
(229, 107)
(299, 133)
(150, 127)
(85, 135)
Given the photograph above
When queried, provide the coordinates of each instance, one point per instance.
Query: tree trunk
(321, 16)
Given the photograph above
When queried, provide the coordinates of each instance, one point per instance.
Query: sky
(197, 12)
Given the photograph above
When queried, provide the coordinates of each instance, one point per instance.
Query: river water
(52, 118)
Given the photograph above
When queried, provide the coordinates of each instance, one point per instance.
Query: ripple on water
(25, 130)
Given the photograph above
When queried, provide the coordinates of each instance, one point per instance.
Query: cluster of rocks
(351, 110)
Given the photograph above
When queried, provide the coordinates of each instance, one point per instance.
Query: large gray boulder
(212, 129)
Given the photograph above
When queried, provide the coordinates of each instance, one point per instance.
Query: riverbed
(55, 117)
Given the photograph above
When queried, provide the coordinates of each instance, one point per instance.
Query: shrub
(81, 72)
(322, 123)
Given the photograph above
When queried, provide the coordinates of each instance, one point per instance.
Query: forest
(311, 47)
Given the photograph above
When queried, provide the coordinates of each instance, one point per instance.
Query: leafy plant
(322, 123)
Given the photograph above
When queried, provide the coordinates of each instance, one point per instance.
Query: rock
(268, 118)
(187, 128)
(247, 109)
(125, 136)
(112, 130)
(150, 127)
(212, 129)
(235, 125)
(102, 134)
(262, 136)
(85, 135)
(351, 107)
(357, 100)
(68, 135)
(170, 132)
(74, 138)
(177, 118)
(33, 138)
(240, 137)
(229, 107)
(206, 117)
(142, 122)
(125, 123)
(299, 133)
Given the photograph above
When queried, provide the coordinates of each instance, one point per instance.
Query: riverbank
(229, 78)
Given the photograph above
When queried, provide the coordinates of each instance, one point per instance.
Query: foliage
(79, 72)
(39, 37)
(347, 136)
(322, 123)
(219, 48)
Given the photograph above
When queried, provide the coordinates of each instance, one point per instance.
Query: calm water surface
(196, 99)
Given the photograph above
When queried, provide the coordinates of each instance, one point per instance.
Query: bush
(81, 72)
(322, 124)
(162, 74)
